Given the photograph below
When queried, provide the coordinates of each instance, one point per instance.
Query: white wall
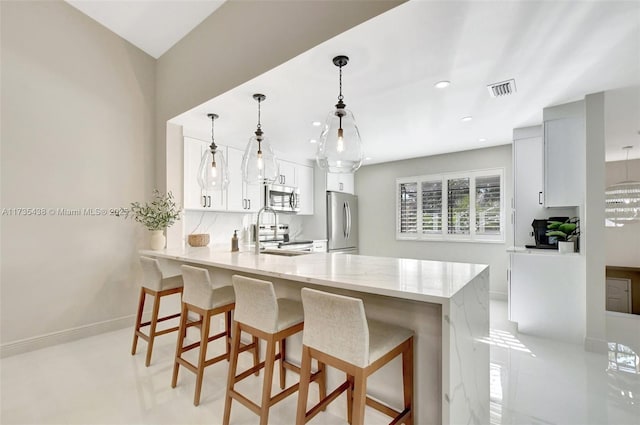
(375, 187)
(622, 244)
(77, 130)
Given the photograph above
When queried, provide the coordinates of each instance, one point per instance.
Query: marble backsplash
(220, 225)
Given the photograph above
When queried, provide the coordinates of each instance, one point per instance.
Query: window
(462, 206)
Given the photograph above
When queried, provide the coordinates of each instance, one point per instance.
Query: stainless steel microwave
(283, 198)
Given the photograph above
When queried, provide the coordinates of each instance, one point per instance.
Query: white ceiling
(556, 51)
(154, 26)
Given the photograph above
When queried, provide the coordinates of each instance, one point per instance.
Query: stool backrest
(256, 303)
(151, 274)
(197, 290)
(336, 325)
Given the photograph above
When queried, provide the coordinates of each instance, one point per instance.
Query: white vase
(157, 240)
(566, 247)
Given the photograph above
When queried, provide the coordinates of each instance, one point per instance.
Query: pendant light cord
(259, 126)
(340, 96)
(213, 142)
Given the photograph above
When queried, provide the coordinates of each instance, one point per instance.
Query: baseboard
(67, 335)
(595, 345)
(500, 296)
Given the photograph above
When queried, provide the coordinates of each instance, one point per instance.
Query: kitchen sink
(284, 253)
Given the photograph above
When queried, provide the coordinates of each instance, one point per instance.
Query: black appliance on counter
(540, 233)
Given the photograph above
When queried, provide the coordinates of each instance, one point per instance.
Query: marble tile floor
(534, 381)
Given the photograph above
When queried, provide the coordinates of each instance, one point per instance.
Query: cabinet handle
(204, 201)
(540, 198)
(248, 204)
(244, 203)
(209, 199)
(341, 186)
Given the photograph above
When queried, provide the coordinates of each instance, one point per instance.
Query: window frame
(444, 178)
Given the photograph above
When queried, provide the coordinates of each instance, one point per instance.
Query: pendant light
(259, 164)
(623, 199)
(213, 174)
(340, 147)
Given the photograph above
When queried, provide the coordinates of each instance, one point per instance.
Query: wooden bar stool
(259, 313)
(154, 284)
(337, 332)
(201, 297)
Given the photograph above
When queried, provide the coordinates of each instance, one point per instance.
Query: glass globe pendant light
(340, 147)
(259, 164)
(623, 199)
(213, 174)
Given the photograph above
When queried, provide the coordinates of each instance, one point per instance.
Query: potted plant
(566, 233)
(156, 216)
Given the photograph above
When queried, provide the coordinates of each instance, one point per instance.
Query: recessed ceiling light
(442, 84)
(465, 119)
(482, 139)
(316, 123)
(313, 141)
(368, 158)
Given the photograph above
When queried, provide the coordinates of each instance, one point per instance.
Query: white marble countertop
(419, 280)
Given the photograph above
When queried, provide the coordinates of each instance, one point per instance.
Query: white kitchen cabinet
(528, 190)
(340, 182)
(319, 245)
(194, 197)
(547, 295)
(564, 141)
(241, 197)
(287, 176)
(304, 179)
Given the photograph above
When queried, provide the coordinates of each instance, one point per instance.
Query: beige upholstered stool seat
(154, 284)
(202, 297)
(260, 313)
(289, 313)
(384, 337)
(338, 333)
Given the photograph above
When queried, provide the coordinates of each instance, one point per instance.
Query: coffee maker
(540, 233)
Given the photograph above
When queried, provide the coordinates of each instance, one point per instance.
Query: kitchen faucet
(275, 225)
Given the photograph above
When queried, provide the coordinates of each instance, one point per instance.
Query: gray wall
(375, 187)
(77, 131)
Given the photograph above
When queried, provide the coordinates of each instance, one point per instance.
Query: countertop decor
(156, 216)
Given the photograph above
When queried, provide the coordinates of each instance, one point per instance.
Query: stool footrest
(161, 319)
(166, 331)
(186, 364)
(401, 417)
(382, 407)
(242, 399)
(325, 401)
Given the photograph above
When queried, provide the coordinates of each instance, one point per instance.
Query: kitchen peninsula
(445, 303)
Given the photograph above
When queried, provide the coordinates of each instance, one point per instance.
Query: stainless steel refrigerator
(342, 222)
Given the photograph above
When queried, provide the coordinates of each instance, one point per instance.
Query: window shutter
(488, 205)
(408, 204)
(432, 206)
(458, 206)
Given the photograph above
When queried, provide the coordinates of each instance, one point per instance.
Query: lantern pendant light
(259, 164)
(623, 199)
(213, 174)
(340, 147)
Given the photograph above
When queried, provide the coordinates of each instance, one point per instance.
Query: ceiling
(556, 51)
(153, 26)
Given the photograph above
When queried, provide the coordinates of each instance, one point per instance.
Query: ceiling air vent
(503, 88)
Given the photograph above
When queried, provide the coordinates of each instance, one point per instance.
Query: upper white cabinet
(564, 150)
(304, 177)
(194, 197)
(287, 175)
(528, 193)
(241, 197)
(339, 182)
